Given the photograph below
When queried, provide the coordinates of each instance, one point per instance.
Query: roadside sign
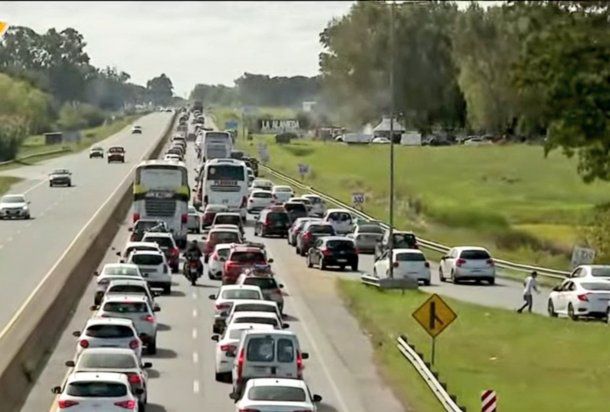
(434, 315)
(3, 27)
(488, 401)
(231, 125)
(358, 198)
(303, 170)
(582, 256)
(263, 154)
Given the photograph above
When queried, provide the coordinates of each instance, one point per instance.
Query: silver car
(60, 177)
(193, 222)
(366, 237)
(14, 206)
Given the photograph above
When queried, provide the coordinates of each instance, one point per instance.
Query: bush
(12, 133)
(285, 137)
(77, 116)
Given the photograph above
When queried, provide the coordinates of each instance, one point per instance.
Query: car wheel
(309, 264)
(571, 312)
(322, 264)
(440, 275)
(220, 377)
(453, 279)
(491, 281)
(551, 309)
(151, 349)
(27, 217)
(355, 268)
(297, 250)
(426, 283)
(167, 290)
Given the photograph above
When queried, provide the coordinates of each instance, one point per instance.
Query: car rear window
(106, 361)
(263, 283)
(601, 272)
(257, 319)
(370, 229)
(145, 225)
(126, 307)
(596, 286)
(120, 271)
(254, 307)
(285, 350)
(227, 220)
(160, 240)
(224, 237)
(240, 294)
(277, 217)
(147, 259)
(262, 195)
(314, 200)
(224, 252)
(340, 245)
(109, 331)
(328, 229)
(475, 254)
(97, 389)
(127, 289)
(295, 207)
(277, 393)
(410, 257)
(405, 239)
(340, 217)
(247, 257)
(261, 349)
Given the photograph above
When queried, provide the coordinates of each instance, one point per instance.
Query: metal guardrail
(389, 283)
(547, 272)
(49, 152)
(438, 389)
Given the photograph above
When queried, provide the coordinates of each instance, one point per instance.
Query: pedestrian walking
(530, 285)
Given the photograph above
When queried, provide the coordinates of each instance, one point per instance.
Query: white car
(580, 297)
(259, 200)
(408, 263)
(110, 272)
(172, 158)
(281, 194)
(318, 206)
(138, 310)
(132, 287)
(252, 306)
(133, 246)
(194, 220)
(96, 391)
(592, 272)
(225, 298)
(61, 177)
(262, 184)
(14, 206)
(216, 262)
(467, 263)
(116, 360)
(108, 333)
(228, 343)
(341, 219)
(154, 269)
(272, 394)
(136, 129)
(381, 140)
(264, 318)
(168, 245)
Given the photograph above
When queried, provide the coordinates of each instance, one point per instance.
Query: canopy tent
(384, 126)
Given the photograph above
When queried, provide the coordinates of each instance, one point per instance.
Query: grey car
(194, 220)
(14, 207)
(60, 177)
(366, 237)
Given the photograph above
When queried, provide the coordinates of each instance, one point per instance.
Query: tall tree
(160, 89)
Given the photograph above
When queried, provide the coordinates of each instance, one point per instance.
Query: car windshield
(116, 150)
(109, 331)
(120, 271)
(96, 389)
(370, 229)
(13, 199)
(257, 319)
(147, 259)
(475, 254)
(596, 286)
(126, 307)
(227, 220)
(240, 294)
(60, 172)
(106, 361)
(278, 217)
(602, 272)
(224, 237)
(164, 242)
(295, 207)
(404, 239)
(248, 257)
(410, 257)
(263, 283)
(340, 245)
(340, 217)
(276, 393)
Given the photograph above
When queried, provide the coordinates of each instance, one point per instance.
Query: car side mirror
(70, 364)
(118, 254)
(215, 338)
(305, 355)
(76, 333)
(94, 307)
(56, 390)
(139, 391)
(281, 285)
(157, 308)
(285, 326)
(212, 297)
(234, 396)
(270, 260)
(316, 398)
(96, 273)
(130, 229)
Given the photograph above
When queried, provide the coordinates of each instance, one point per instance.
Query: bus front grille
(160, 207)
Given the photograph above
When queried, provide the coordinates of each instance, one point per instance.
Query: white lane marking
(194, 333)
(195, 357)
(194, 313)
(35, 186)
(195, 386)
(194, 295)
(30, 297)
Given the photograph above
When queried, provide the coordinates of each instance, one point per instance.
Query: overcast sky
(191, 42)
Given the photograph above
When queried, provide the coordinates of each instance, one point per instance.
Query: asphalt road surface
(29, 248)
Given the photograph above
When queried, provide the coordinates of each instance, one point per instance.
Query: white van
(341, 220)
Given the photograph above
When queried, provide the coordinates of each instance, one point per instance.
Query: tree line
(528, 68)
(54, 70)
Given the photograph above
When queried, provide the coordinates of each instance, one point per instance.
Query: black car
(333, 251)
(116, 154)
(146, 225)
(295, 210)
(252, 164)
(310, 233)
(274, 221)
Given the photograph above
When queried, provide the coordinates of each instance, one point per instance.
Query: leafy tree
(215, 94)
(160, 89)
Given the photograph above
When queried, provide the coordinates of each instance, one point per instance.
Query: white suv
(259, 200)
(108, 333)
(154, 269)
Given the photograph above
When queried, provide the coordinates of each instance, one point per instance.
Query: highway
(340, 368)
(29, 248)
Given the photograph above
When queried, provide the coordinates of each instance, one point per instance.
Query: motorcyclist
(193, 251)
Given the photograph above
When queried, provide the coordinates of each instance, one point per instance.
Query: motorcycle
(193, 269)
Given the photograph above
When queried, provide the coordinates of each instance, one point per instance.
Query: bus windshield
(226, 172)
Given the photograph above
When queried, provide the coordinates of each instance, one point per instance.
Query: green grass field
(6, 182)
(534, 363)
(512, 199)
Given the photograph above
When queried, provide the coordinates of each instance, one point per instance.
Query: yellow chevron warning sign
(3, 27)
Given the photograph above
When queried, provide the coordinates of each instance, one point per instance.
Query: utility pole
(391, 238)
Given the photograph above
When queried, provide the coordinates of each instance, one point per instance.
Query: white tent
(384, 126)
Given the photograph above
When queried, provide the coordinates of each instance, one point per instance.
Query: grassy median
(6, 182)
(534, 363)
(512, 199)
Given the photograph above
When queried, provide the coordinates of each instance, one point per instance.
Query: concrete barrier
(29, 338)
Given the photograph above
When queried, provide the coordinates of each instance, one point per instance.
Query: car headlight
(25, 207)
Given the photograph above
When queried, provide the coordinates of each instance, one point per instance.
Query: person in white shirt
(530, 285)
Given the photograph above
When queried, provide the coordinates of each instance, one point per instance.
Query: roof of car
(127, 298)
(159, 234)
(262, 181)
(310, 195)
(223, 246)
(462, 248)
(296, 383)
(327, 238)
(125, 281)
(141, 244)
(229, 214)
(120, 265)
(238, 287)
(281, 187)
(406, 250)
(329, 211)
(224, 228)
(147, 252)
(254, 313)
(260, 191)
(250, 326)
(108, 351)
(238, 247)
(98, 320)
(97, 376)
(255, 302)
(273, 332)
(592, 266)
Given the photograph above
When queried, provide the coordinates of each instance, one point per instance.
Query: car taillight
(221, 306)
(300, 365)
(230, 266)
(396, 264)
(184, 218)
(307, 236)
(583, 297)
(134, 378)
(227, 348)
(205, 199)
(131, 405)
(240, 364)
(148, 318)
(490, 262)
(459, 262)
(326, 252)
(84, 343)
(63, 404)
(134, 344)
(174, 252)
(136, 217)
(427, 264)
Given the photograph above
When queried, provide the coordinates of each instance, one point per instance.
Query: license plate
(341, 260)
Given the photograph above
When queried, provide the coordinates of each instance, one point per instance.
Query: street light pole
(391, 234)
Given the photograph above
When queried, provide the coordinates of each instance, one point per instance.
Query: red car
(216, 236)
(242, 258)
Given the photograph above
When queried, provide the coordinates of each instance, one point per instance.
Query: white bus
(225, 182)
(161, 192)
(216, 145)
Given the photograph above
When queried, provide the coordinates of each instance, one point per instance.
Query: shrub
(285, 137)
(77, 116)
(12, 132)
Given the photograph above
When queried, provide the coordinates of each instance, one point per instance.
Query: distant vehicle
(108, 333)
(172, 157)
(209, 214)
(225, 298)
(14, 207)
(114, 271)
(408, 263)
(168, 246)
(341, 219)
(262, 184)
(591, 272)
(242, 257)
(253, 306)
(272, 290)
(296, 209)
(297, 227)
(477, 141)
(318, 206)
(197, 106)
(216, 145)
(194, 220)
(61, 177)
(217, 260)
(367, 236)
(259, 200)
(229, 218)
(333, 251)
(401, 240)
(355, 138)
(272, 221)
(161, 192)
(381, 140)
(154, 269)
(225, 182)
(132, 287)
(104, 391)
(216, 236)
(579, 298)
(96, 151)
(146, 225)
(282, 194)
(136, 129)
(272, 393)
(467, 263)
(116, 154)
(237, 154)
(311, 232)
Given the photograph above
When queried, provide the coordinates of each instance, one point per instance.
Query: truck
(197, 106)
